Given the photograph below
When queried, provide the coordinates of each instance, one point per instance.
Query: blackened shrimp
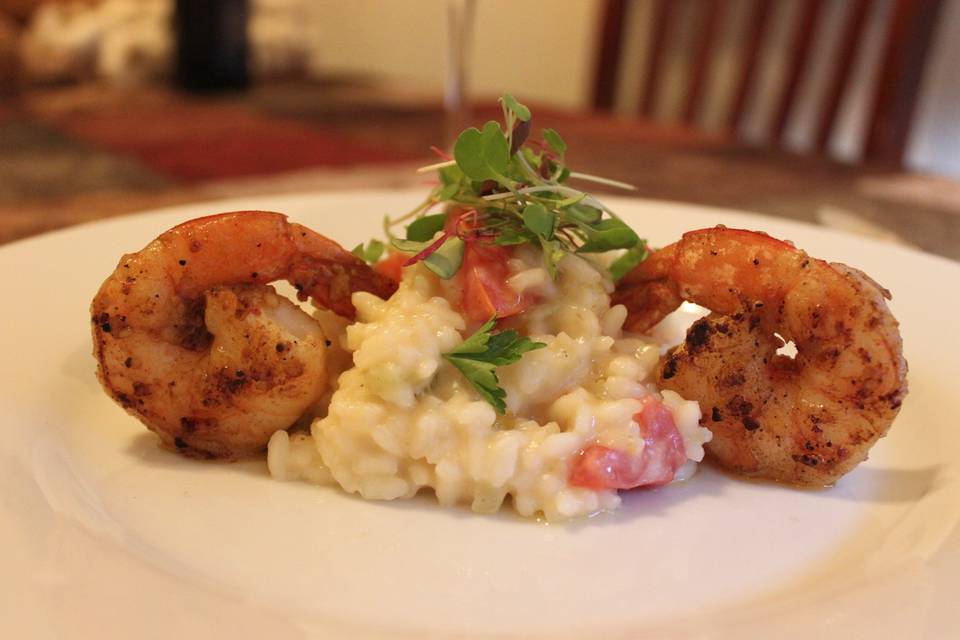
(805, 420)
(191, 339)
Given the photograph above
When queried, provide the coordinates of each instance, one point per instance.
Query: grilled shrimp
(191, 339)
(805, 420)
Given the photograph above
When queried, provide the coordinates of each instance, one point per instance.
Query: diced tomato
(598, 467)
(483, 281)
(392, 265)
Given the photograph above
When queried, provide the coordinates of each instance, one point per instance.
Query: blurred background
(838, 112)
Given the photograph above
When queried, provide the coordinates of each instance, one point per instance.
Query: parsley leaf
(478, 357)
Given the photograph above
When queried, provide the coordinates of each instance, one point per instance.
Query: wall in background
(544, 52)
(540, 50)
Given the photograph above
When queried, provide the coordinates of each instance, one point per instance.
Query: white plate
(104, 534)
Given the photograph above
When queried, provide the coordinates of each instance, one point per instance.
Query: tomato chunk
(392, 265)
(483, 281)
(598, 467)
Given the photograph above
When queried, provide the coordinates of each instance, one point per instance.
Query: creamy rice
(403, 419)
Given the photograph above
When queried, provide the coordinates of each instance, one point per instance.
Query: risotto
(404, 419)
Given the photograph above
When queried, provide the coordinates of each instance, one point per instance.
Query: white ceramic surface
(102, 534)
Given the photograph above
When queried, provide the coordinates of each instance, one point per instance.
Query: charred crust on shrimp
(192, 317)
(839, 394)
(670, 368)
(698, 336)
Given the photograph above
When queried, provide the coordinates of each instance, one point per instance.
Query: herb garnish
(478, 357)
(502, 189)
(371, 253)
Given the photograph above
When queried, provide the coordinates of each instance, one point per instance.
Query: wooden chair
(904, 42)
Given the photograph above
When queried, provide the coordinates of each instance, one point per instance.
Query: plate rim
(139, 217)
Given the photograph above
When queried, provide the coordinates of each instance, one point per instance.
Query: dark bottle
(212, 48)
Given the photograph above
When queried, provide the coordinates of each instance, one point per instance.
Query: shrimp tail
(648, 292)
(327, 274)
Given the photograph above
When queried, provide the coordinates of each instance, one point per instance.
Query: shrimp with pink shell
(191, 339)
(804, 420)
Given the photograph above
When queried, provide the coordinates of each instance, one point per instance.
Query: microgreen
(370, 253)
(443, 256)
(553, 139)
(510, 104)
(483, 155)
(607, 235)
(425, 228)
(504, 186)
(478, 357)
(630, 258)
(539, 221)
(516, 188)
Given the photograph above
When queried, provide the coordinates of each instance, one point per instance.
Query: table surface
(71, 155)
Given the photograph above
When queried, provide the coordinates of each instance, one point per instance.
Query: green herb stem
(601, 180)
(437, 166)
(529, 172)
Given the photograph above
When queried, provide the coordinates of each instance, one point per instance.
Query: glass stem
(459, 23)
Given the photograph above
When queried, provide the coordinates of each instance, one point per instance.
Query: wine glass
(455, 106)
